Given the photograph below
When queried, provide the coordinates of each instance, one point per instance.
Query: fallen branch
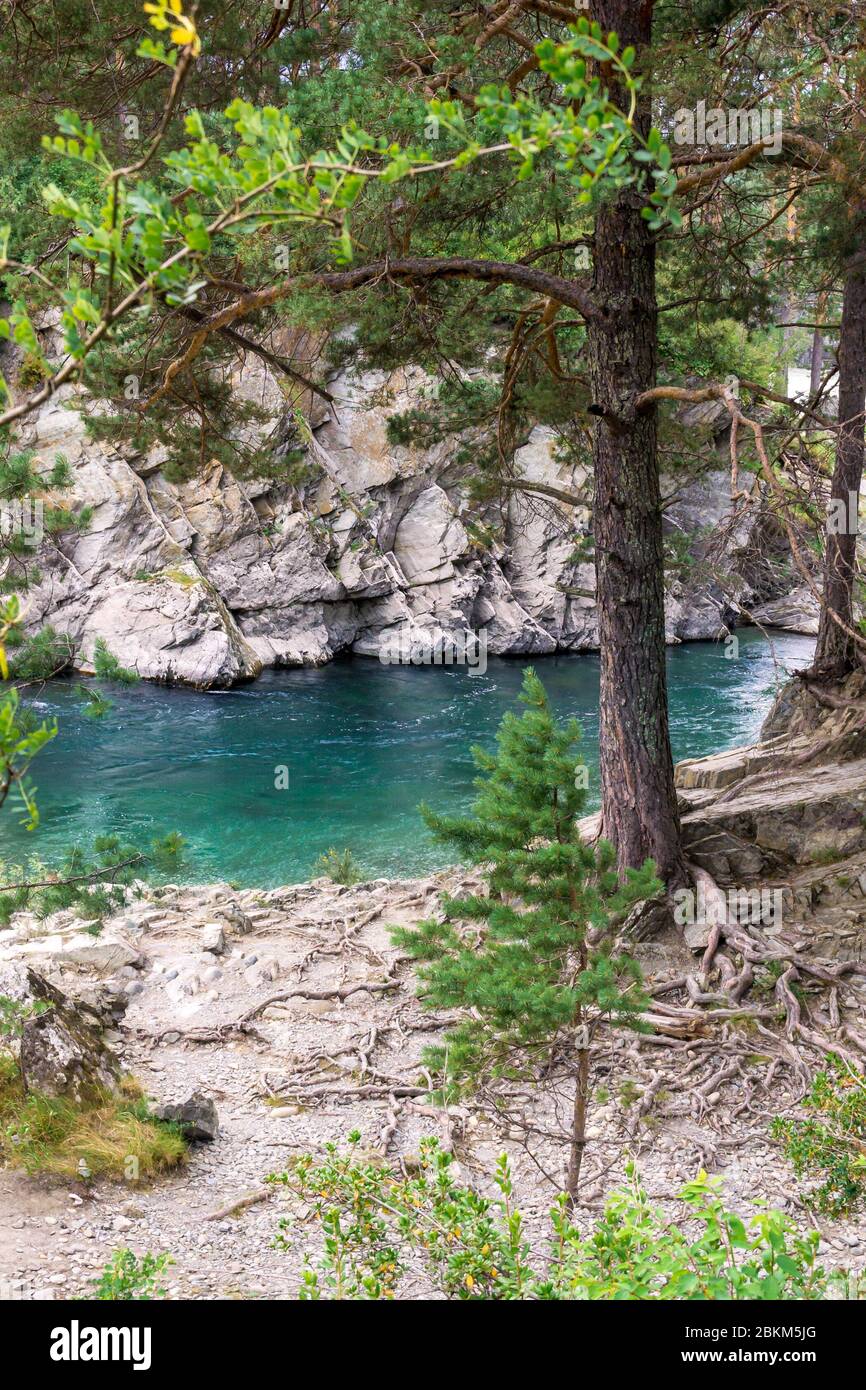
(79, 878)
(260, 1194)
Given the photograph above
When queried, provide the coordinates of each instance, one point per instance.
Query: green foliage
(533, 958)
(37, 495)
(511, 171)
(45, 653)
(42, 657)
(107, 668)
(828, 1147)
(146, 239)
(204, 420)
(340, 866)
(456, 405)
(712, 347)
(128, 1276)
(21, 739)
(96, 706)
(32, 371)
(166, 852)
(827, 854)
(475, 1248)
(14, 1014)
(92, 883)
(711, 14)
(678, 555)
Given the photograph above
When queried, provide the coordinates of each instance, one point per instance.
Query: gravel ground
(314, 1068)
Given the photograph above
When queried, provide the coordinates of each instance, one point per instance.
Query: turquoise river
(360, 744)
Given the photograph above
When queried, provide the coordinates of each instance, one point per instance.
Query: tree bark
(836, 652)
(816, 372)
(578, 1126)
(639, 804)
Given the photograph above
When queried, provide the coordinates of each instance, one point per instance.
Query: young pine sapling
(531, 962)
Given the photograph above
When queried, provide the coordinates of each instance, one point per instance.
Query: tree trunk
(578, 1125)
(639, 805)
(817, 360)
(836, 653)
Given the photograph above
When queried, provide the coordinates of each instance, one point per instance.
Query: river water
(360, 745)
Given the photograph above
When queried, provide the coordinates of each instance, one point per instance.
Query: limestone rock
(109, 999)
(782, 817)
(696, 935)
(62, 1051)
(93, 953)
(197, 1116)
(236, 919)
(798, 611)
(205, 583)
(796, 711)
(720, 770)
(213, 940)
(555, 589)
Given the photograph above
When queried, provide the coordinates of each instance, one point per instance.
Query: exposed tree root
(736, 1037)
(737, 979)
(242, 1025)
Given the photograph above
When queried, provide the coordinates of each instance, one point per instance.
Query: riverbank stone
(197, 1117)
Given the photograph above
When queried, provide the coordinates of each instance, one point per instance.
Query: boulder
(236, 919)
(197, 1116)
(754, 813)
(798, 611)
(62, 1048)
(213, 939)
(102, 955)
(108, 1000)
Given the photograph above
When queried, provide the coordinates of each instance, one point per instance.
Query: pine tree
(568, 254)
(533, 958)
(381, 65)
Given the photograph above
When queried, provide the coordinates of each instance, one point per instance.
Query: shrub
(130, 1277)
(107, 667)
(92, 882)
(41, 657)
(829, 1145)
(340, 866)
(32, 371)
(166, 852)
(476, 1248)
(20, 479)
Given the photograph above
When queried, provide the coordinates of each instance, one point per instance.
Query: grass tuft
(115, 1137)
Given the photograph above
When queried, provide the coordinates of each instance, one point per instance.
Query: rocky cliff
(208, 583)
